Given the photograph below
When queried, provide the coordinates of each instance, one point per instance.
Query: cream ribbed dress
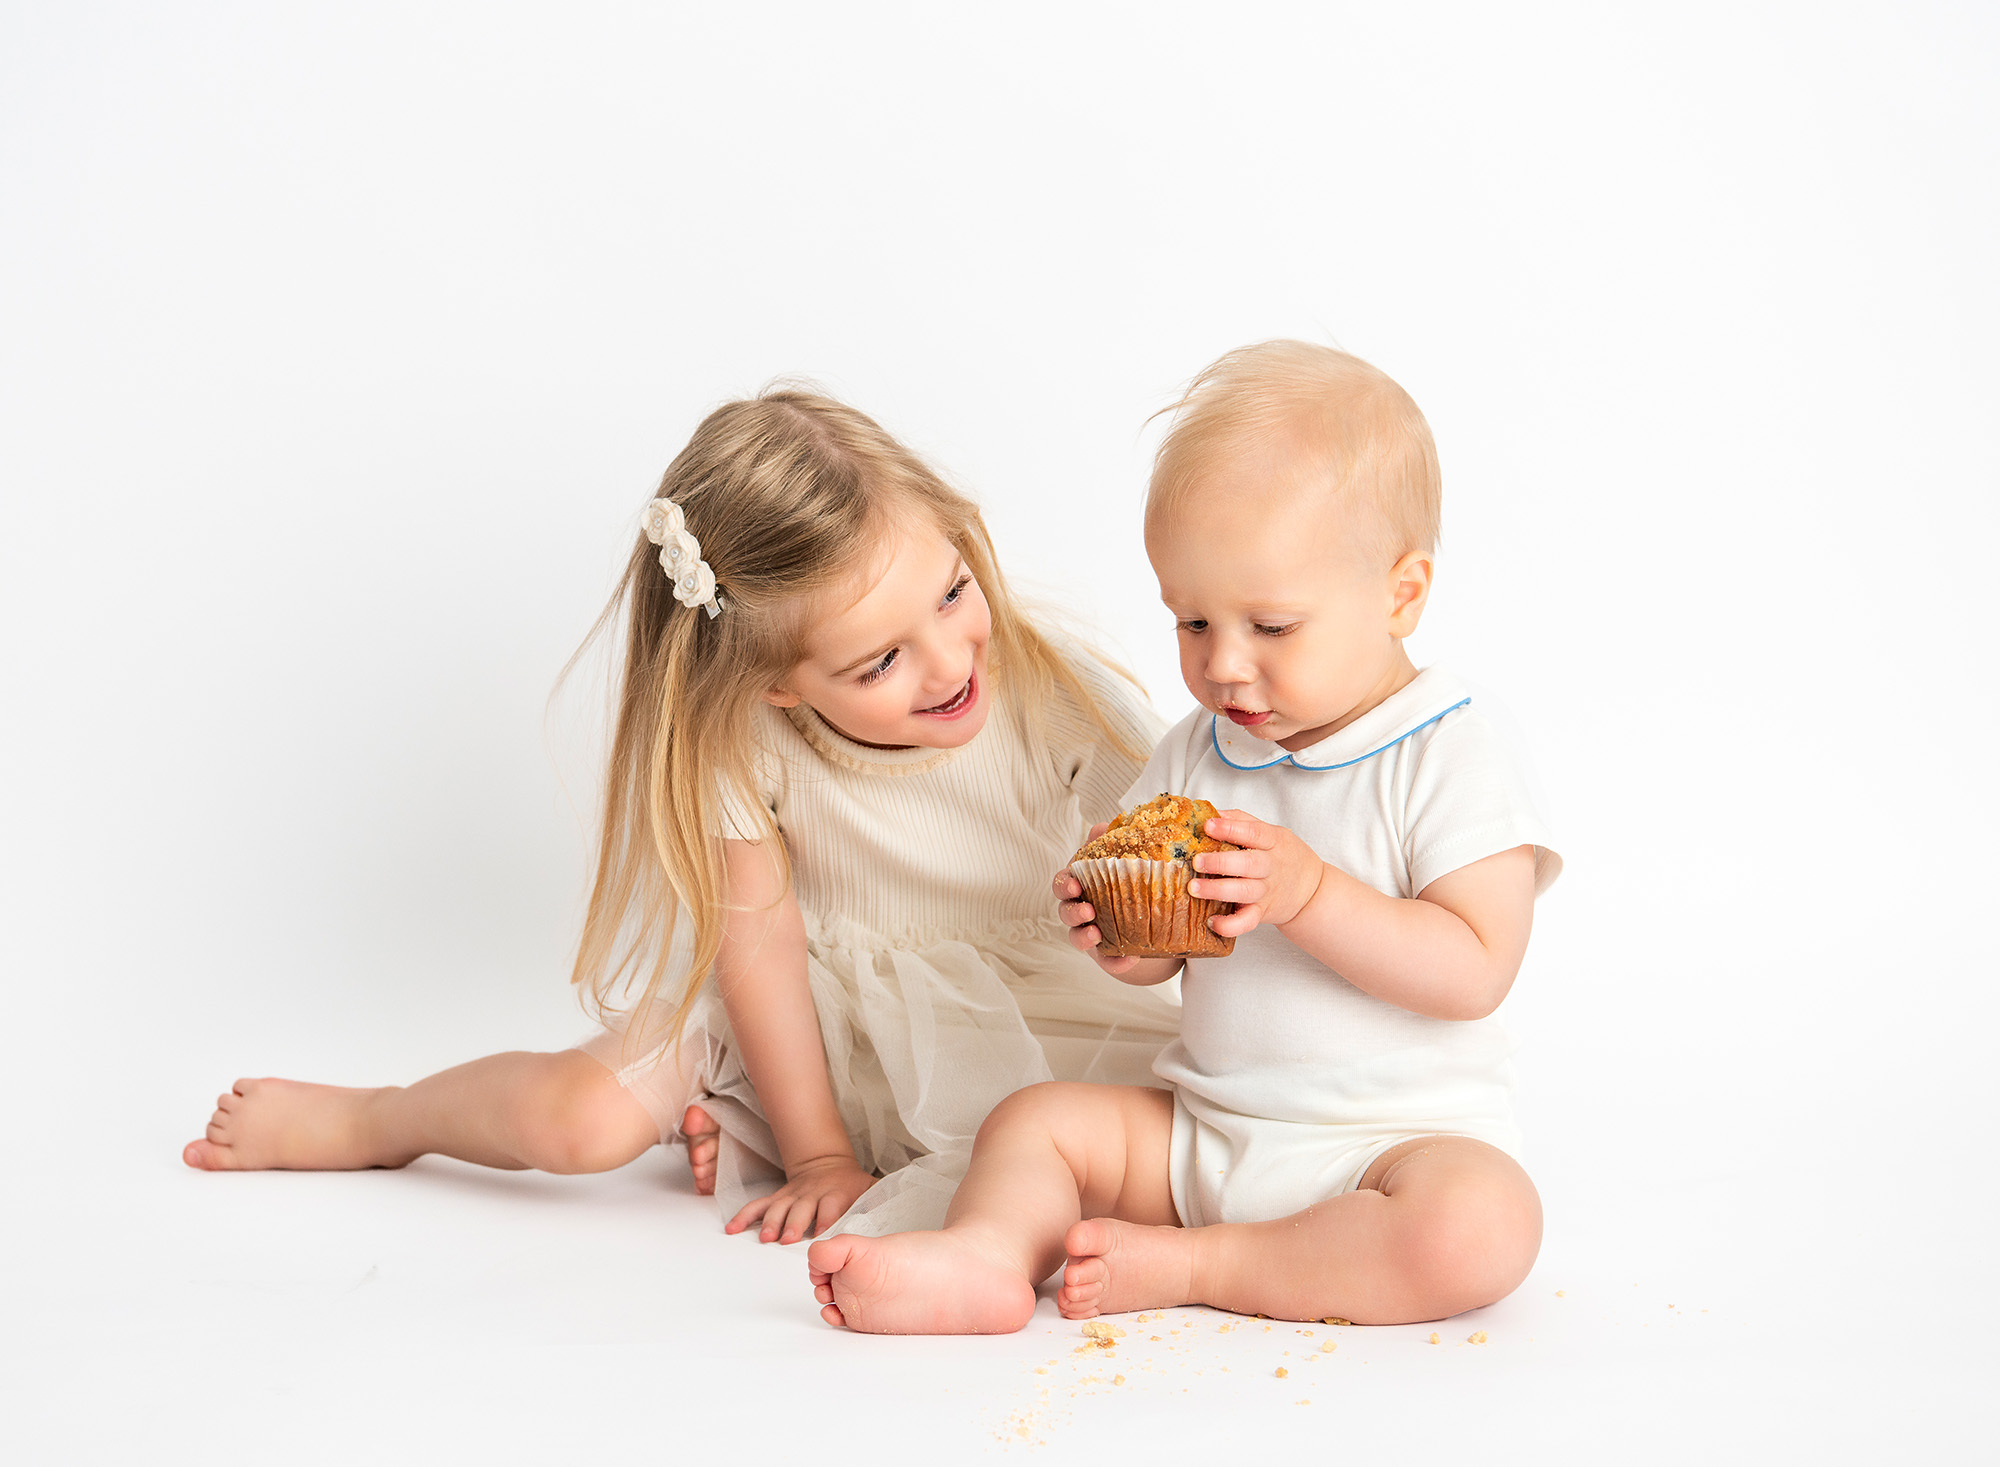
(942, 977)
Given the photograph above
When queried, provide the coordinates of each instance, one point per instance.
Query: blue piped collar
(1432, 694)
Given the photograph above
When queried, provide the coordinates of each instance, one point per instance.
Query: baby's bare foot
(288, 1124)
(918, 1284)
(1115, 1267)
(704, 1138)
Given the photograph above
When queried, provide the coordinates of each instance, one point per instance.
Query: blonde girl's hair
(1352, 430)
(791, 495)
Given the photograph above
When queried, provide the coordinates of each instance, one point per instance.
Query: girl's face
(903, 664)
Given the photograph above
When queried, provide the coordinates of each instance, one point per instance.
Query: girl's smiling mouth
(1244, 717)
(958, 704)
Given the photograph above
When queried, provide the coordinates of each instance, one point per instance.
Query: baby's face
(1287, 627)
(903, 664)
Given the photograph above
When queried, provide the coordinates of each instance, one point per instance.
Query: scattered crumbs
(1335, 1319)
(1302, 1403)
(1302, 1332)
(1327, 1347)
(1155, 1339)
(1477, 1337)
(1118, 1380)
(1041, 1370)
(1434, 1337)
(1103, 1331)
(1559, 1293)
(1282, 1372)
(1670, 1306)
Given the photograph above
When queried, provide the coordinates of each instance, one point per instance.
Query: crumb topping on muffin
(1165, 828)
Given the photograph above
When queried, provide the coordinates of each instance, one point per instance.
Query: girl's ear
(781, 697)
(1409, 592)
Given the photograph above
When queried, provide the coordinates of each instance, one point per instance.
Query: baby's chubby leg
(1440, 1224)
(562, 1112)
(1046, 1157)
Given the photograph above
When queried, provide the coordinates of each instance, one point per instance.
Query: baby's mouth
(1244, 718)
(957, 703)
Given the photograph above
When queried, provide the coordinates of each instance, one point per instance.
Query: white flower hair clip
(680, 557)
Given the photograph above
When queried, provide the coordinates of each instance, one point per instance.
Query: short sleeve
(751, 814)
(1086, 760)
(1468, 800)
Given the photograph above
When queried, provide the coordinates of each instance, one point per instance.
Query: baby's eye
(1191, 624)
(957, 592)
(881, 668)
(1275, 631)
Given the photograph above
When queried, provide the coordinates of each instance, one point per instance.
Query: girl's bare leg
(560, 1112)
(1047, 1156)
(1440, 1225)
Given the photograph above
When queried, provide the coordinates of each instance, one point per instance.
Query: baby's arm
(1450, 952)
(761, 975)
(1081, 920)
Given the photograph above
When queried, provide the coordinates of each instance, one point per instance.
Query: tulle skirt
(924, 1036)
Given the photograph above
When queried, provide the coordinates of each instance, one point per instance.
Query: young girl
(844, 763)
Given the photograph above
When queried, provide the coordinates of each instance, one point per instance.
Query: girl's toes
(206, 1156)
(832, 1315)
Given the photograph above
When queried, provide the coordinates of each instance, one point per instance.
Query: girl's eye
(881, 669)
(1194, 624)
(1268, 631)
(957, 592)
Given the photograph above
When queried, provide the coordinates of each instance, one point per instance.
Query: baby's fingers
(1238, 922)
(1241, 829)
(1244, 891)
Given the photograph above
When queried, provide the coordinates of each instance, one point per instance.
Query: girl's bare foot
(704, 1138)
(288, 1124)
(1115, 1267)
(918, 1284)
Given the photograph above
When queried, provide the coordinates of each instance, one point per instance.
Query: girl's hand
(1081, 918)
(814, 1196)
(1271, 879)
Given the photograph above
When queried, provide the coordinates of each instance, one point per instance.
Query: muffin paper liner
(1144, 910)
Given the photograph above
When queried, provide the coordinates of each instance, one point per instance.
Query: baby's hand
(1081, 918)
(1271, 879)
(814, 1196)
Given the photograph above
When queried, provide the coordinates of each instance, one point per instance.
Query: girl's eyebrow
(957, 570)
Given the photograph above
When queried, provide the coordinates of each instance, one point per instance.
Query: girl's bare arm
(761, 975)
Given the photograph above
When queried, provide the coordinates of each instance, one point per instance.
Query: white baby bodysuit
(1288, 1080)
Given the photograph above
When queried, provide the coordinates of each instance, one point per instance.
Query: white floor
(446, 1313)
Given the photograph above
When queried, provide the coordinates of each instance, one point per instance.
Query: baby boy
(1338, 1137)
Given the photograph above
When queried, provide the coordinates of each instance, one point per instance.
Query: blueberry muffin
(1136, 875)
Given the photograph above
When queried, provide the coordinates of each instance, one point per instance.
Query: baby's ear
(781, 697)
(1409, 592)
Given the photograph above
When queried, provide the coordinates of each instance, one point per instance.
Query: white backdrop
(339, 346)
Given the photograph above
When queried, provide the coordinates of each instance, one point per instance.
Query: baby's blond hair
(1348, 430)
